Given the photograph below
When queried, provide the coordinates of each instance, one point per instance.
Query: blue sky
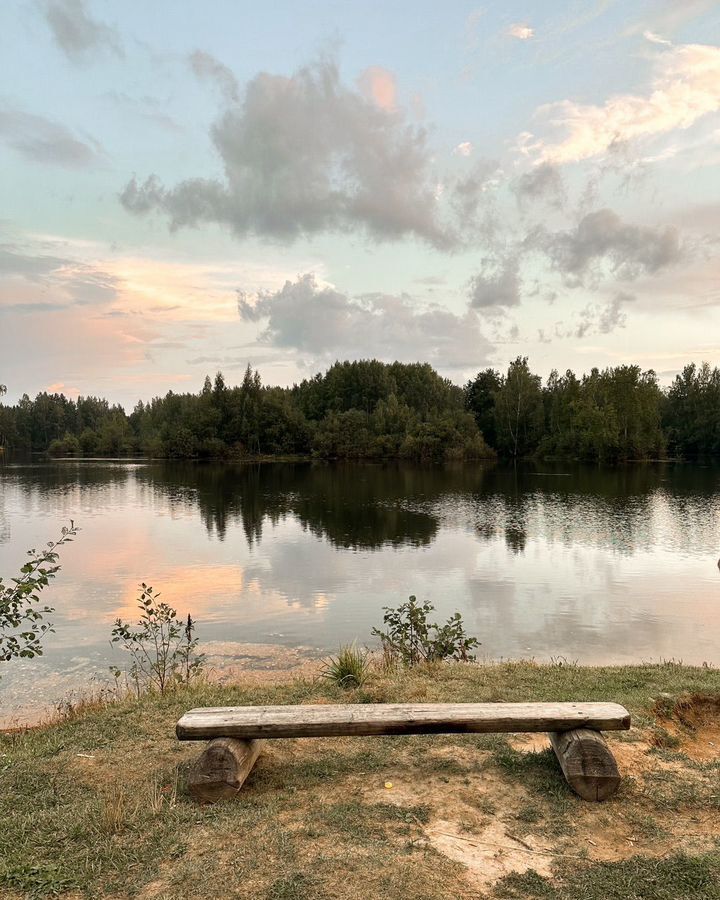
(193, 186)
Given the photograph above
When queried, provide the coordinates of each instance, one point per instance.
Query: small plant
(21, 618)
(412, 640)
(163, 651)
(349, 668)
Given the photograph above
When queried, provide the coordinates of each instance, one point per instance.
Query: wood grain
(255, 722)
(223, 767)
(587, 763)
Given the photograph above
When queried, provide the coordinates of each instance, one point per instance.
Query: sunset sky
(189, 187)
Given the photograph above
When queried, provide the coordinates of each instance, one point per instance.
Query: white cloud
(686, 87)
(656, 38)
(521, 31)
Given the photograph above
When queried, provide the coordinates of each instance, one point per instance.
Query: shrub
(162, 649)
(68, 445)
(19, 602)
(412, 640)
(349, 668)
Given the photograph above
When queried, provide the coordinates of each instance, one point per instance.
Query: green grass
(349, 669)
(679, 877)
(95, 806)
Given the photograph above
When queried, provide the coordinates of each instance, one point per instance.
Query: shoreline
(273, 665)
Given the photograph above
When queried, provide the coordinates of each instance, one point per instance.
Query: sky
(187, 187)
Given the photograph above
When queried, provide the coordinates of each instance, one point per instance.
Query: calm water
(593, 565)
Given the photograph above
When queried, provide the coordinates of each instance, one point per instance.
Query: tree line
(372, 410)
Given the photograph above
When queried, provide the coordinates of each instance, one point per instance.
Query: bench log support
(220, 771)
(587, 762)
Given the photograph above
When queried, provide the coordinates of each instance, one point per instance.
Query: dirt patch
(693, 723)
(529, 743)
(490, 853)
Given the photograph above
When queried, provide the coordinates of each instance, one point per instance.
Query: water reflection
(590, 564)
(352, 507)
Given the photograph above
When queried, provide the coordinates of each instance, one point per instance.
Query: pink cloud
(60, 387)
(379, 85)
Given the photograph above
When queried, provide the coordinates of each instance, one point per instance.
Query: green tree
(519, 410)
(480, 393)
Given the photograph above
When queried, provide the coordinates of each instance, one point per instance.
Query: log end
(587, 763)
(222, 768)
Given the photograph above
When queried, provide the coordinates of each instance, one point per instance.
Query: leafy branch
(22, 625)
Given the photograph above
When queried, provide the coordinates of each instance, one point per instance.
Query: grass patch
(349, 669)
(679, 877)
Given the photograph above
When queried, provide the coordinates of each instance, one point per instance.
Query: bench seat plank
(327, 720)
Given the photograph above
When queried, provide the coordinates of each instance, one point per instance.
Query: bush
(349, 668)
(163, 651)
(69, 445)
(412, 640)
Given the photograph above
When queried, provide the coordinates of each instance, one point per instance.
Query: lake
(596, 565)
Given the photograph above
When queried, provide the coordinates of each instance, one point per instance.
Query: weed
(163, 651)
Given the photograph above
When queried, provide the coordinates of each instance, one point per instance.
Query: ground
(94, 806)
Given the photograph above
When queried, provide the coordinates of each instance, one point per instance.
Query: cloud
(541, 183)
(378, 85)
(520, 30)
(496, 287)
(603, 238)
(77, 34)
(668, 16)
(472, 28)
(206, 67)
(64, 282)
(303, 155)
(467, 193)
(602, 318)
(42, 140)
(146, 108)
(325, 324)
(656, 39)
(14, 261)
(686, 86)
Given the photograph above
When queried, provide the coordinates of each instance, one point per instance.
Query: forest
(373, 410)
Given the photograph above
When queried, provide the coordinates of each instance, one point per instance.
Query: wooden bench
(236, 734)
